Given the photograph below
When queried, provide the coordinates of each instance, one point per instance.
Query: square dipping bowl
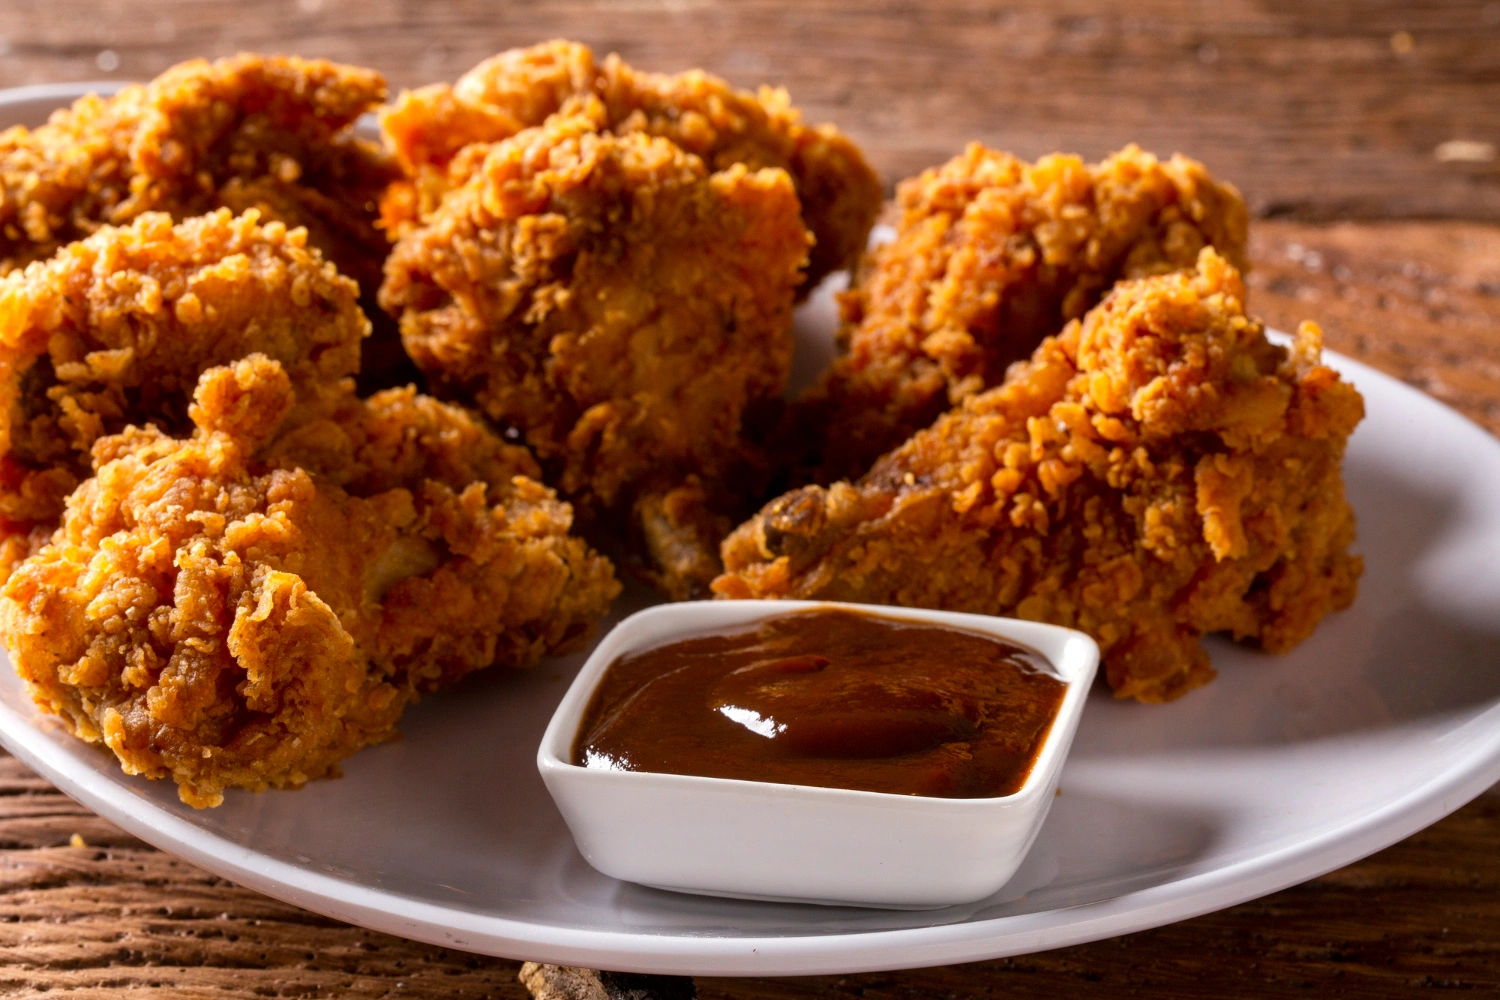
(774, 841)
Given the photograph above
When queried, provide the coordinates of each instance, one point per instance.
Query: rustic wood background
(1364, 136)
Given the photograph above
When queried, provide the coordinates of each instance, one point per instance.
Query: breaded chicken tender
(1156, 472)
(840, 194)
(265, 132)
(226, 622)
(116, 328)
(991, 255)
(623, 307)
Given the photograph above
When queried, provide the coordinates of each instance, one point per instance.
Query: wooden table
(1364, 136)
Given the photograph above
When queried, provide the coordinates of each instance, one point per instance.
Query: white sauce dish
(764, 840)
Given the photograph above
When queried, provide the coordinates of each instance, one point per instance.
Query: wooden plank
(1417, 300)
(1337, 110)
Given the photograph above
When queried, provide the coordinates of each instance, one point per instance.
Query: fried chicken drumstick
(218, 619)
(991, 255)
(622, 306)
(840, 195)
(1154, 473)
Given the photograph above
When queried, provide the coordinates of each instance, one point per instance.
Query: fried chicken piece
(270, 133)
(229, 623)
(991, 255)
(116, 328)
(840, 194)
(1157, 472)
(625, 309)
(265, 132)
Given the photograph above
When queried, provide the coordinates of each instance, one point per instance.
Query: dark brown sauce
(837, 699)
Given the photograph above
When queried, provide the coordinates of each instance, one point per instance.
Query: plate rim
(110, 795)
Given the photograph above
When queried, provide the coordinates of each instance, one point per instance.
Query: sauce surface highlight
(836, 698)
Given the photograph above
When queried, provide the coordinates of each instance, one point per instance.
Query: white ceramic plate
(1384, 721)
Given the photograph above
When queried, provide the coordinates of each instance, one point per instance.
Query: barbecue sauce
(834, 698)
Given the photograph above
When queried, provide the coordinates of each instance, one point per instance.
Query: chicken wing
(991, 255)
(228, 622)
(840, 195)
(1159, 471)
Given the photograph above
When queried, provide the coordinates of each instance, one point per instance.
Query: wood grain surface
(1318, 110)
(1363, 134)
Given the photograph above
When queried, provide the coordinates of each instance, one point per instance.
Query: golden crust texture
(264, 132)
(839, 192)
(227, 622)
(1154, 473)
(115, 330)
(393, 438)
(991, 255)
(620, 304)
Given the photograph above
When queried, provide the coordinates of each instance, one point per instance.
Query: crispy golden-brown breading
(991, 255)
(226, 622)
(116, 328)
(619, 304)
(393, 438)
(1157, 472)
(840, 195)
(265, 132)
